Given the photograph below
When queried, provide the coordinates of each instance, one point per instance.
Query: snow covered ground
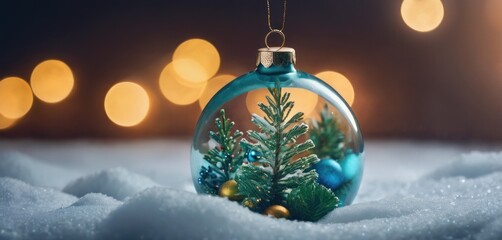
(143, 190)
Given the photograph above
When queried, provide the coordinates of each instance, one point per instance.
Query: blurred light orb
(422, 15)
(171, 86)
(6, 123)
(305, 100)
(493, 10)
(52, 81)
(340, 83)
(213, 86)
(127, 104)
(193, 74)
(16, 97)
(196, 60)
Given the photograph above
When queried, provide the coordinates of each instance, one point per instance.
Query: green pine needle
(311, 202)
(225, 158)
(254, 183)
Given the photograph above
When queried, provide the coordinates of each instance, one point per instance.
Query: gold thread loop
(278, 32)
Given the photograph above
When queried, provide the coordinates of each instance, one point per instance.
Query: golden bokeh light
(493, 10)
(422, 15)
(127, 104)
(196, 60)
(6, 123)
(305, 100)
(16, 97)
(52, 81)
(213, 86)
(340, 83)
(194, 74)
(172, 88)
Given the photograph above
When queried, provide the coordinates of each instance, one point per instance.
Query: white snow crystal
(93, 199)
(72, 222)
(20, 201)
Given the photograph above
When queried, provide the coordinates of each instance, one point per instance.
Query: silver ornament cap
(276, 56)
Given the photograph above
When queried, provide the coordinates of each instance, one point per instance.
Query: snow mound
(20, 201)
(16, 165)
(470, 165)
(117, 183)
(93, 199)
(28, 212)
(14, 193)
(77, 221)
(74, 222)
(163, 213)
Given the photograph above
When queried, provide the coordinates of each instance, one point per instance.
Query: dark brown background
(442, 85)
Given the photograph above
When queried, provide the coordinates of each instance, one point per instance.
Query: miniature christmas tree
(275, 174)
(281, 177)
(327, 137)
(224, 159)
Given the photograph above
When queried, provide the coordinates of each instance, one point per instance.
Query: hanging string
(276, 30)
(283, 17)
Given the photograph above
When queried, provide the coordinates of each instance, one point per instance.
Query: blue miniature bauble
(330, 173)
(252, 155)
(351, 166)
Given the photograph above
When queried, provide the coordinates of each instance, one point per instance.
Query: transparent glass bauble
(224, 142)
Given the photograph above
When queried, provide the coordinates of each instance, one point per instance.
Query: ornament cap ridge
(276, 56)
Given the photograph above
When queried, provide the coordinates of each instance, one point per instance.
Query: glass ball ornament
(268, 130)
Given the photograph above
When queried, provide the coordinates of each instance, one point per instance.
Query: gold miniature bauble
(230, 190)
(277, 211)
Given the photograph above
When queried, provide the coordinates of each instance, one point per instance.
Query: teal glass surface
(232, 99)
